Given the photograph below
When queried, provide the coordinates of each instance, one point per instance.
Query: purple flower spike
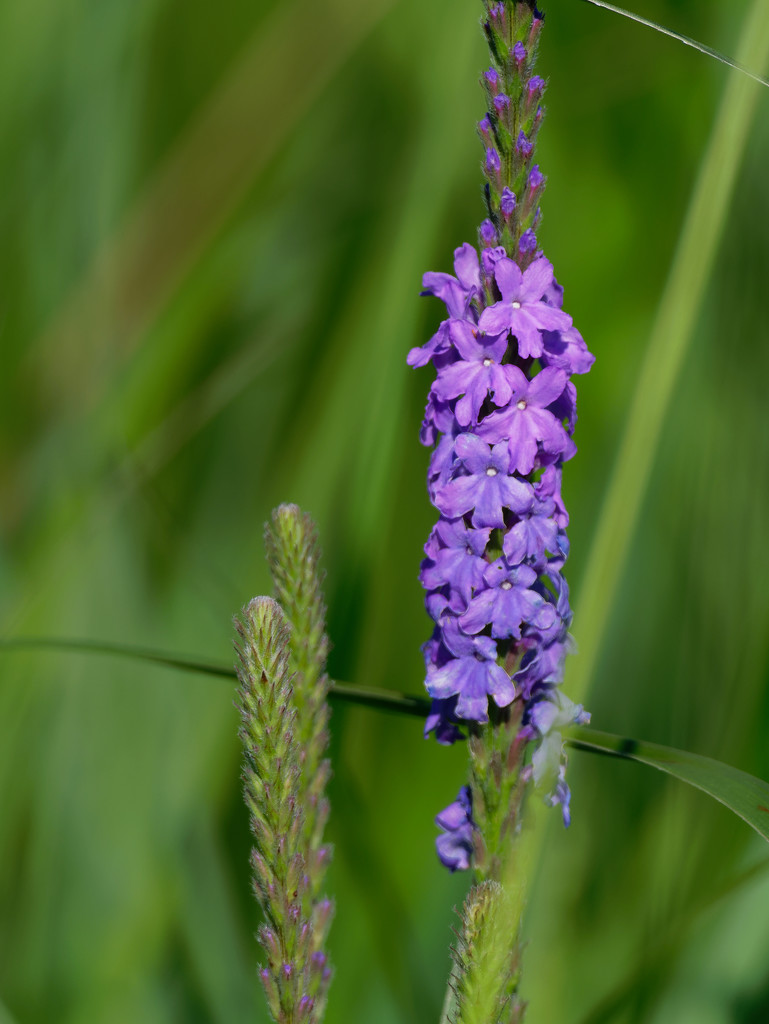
(455, 846)
(499, 419)
(473, 675)
(521, 309)
(527, 421)
(487, 489)
(507, 603)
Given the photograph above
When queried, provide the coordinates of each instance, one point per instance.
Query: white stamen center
(487, 362)
(507, 585)
(521, 404)
(516, 304)
(491, 471)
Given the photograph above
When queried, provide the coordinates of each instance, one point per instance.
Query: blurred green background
(214, 221)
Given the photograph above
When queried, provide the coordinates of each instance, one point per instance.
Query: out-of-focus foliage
(214, 221)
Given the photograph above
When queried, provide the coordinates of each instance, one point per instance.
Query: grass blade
(743, 794)
(686, 40)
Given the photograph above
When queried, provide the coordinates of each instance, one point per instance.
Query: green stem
(383, 700)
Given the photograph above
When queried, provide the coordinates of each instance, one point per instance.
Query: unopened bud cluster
(287, 870)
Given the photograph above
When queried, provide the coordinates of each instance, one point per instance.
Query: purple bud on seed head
(264, 974)
(507, 202)
(528, 242)
(536, 177)
(492, 161)
(492, 80)
(288, 970)
(488, 234)
(484, 127)
(536, 87)
(519, 53)
(502, 103)
(523, 146)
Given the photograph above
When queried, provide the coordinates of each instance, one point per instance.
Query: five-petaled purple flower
(521, 309)
(472, 675)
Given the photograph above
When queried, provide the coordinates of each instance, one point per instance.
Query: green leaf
(745, 795)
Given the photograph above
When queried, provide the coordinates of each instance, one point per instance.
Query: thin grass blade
(744, 795)
(686, 40)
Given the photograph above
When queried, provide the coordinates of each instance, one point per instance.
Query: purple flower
(527, 421)
(519, 52)
(521, 309)
(487, 488)
(477, 374)
(473, 675)
(507, 603)
(567, 350)
(455, 846)
(457, 293)
(442, 720)
(459, 560)
(549, 486)
(533, 535)
(489, 260)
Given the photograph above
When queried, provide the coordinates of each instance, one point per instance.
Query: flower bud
(492, 80)
(523, 146)
(528, 243)
(488, 234)
(507, 203)
(502, 104)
